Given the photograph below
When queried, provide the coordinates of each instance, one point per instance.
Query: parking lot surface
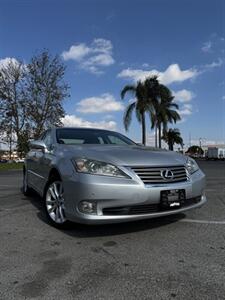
(180, 257)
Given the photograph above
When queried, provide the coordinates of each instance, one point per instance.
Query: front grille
(145, 209)
(154, 175)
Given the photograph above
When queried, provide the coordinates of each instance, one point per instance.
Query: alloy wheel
(55, 202)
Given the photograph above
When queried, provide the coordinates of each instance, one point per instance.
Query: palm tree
(145, 101)
(165, 112)
(171, 137)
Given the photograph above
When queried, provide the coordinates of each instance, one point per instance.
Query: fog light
(88, 207)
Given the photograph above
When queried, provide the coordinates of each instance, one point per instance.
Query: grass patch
(11, 166)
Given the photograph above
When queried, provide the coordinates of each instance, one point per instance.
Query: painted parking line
(203, 221)
(214, 190)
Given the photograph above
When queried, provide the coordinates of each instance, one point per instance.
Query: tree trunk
(171, 146)
(143, 129)
(156, 136)
(160, 136)
(10, 146)
(10, 141)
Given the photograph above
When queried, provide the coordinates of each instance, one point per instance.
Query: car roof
(84, 128)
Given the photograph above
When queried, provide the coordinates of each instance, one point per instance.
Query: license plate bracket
(172, 199)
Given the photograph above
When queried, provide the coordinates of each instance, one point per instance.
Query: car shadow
(87, 231)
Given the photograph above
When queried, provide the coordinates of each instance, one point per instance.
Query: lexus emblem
(167, 174)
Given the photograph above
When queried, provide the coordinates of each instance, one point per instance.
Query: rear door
(30, 163)
(43, 161)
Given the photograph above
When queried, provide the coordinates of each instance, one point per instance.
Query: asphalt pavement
(180, 257)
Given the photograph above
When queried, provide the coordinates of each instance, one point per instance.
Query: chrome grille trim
(153, 174)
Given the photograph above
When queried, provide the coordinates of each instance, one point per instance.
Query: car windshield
(74, 136)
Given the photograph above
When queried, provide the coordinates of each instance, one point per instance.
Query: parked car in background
(19, 160)
(10, 161)
(3, 161)
(98, 176)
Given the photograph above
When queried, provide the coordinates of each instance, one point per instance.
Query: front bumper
(116, 192)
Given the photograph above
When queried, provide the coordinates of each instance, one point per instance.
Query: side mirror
(38, 145)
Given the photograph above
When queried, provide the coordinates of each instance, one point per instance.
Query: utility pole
(200, 142)
(189, 139)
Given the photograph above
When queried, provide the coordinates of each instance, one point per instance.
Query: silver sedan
(96, 176)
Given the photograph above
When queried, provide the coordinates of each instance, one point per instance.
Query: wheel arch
(53, 174)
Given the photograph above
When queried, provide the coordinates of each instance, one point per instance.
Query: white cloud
(93, 63)
(102, 45)
(207, 142)
(150, 140)
(186, 110)
(91, 58)
(207, 46)
(74, 121)
(76, 52)
(104, 103)
(223, 97)
(172, 74)
(101, 59)
(210, 66)
(214, 64)
(6, 61)
(183, 96)
(215, 44)
(134, 74)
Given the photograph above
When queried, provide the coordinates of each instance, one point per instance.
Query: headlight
(191, 165)
(84, 165)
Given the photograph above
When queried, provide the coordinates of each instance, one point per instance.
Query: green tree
(155, 99)
(46, 91)
(172, 137)
(31, 98)
(165, 112)
(13, 104)
(145, 94)
(195, 150)
(23, 143)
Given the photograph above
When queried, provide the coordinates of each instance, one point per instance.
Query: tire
(54, 204)
(27, 191)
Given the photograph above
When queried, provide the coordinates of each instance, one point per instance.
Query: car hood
(126, 155)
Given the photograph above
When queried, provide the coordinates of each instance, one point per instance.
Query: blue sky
(107, 44)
